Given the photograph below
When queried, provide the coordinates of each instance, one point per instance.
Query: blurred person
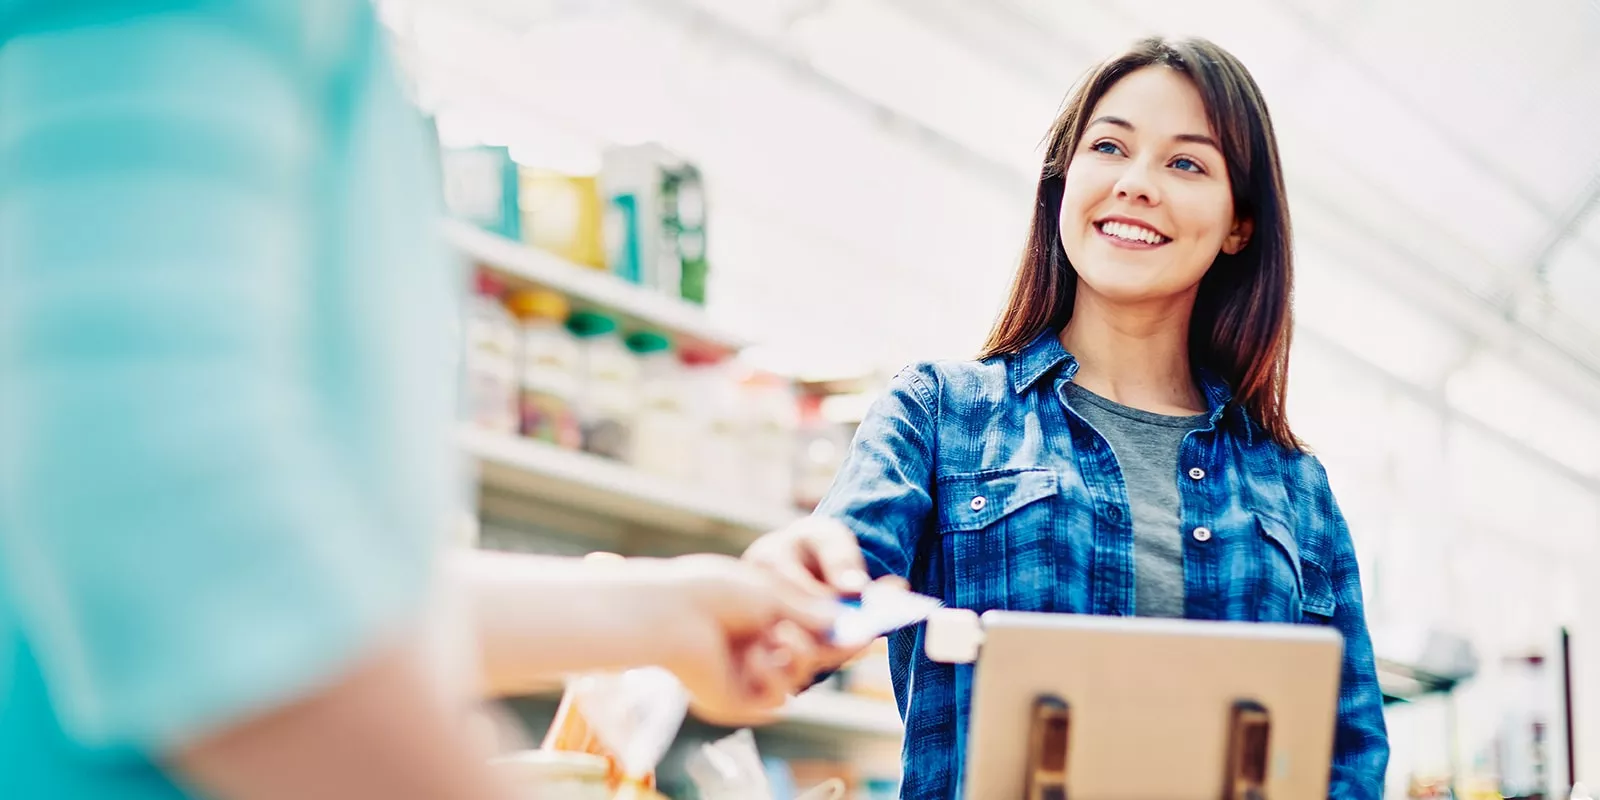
(1120, 446)
(227, 463)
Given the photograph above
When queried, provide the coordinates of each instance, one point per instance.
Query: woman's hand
(816, 555)
(821, 558)
(741, 639)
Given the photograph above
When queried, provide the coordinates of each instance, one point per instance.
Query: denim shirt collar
(1045, 353)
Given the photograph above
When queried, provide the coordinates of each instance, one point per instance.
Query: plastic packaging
(729, 769)
(609, 393)
(548, 370)
(880, 610)
(630, 718)
(663, 438)
(491, 346)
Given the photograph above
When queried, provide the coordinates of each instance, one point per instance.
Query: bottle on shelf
(608, 391)
(662, 437)
(769, 444)
(548, 370)
(718, 421)
(491, 347)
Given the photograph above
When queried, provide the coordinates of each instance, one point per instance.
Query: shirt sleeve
(1361, 742)
(180, 533)
(883, 491)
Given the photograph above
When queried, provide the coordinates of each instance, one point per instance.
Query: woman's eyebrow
(1196, 138)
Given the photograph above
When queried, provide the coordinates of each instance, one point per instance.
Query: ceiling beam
(1534, 275)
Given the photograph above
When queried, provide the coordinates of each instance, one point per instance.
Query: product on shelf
(549, 366)
(662, 435)
(608, 395)
(480, 187)
(491, 362)
(718, 418)
(656, 220)
(684, 220)
(564, 215)
(769, 439)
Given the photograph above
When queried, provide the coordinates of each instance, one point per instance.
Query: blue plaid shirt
(1054, 533)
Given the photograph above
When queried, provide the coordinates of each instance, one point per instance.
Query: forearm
(376, 734)
(539, 617)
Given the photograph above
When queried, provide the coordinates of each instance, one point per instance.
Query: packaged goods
(628, 718)
(491, 362)
(480, 187)
(656, 220)
(609, 388)
(663, 436)
(548, 369)
(564, 215)
(719, 420)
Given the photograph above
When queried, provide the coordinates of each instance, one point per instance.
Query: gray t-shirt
(1146, 448)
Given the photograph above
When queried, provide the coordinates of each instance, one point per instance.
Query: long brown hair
(1242, 318)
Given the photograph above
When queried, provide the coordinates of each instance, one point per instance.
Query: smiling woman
(1172, 139)
(1120, 447)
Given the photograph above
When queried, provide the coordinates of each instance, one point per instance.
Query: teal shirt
(225, 373)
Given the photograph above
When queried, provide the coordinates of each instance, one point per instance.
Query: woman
(226, 419)
(1121, 445)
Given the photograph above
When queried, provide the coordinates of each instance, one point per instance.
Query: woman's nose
(1137, 183)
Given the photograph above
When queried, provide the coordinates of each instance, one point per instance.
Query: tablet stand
(1049, 737)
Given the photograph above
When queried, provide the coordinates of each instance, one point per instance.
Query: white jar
(663, 436)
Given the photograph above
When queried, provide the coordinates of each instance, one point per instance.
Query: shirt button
(1202, 534)
(979, 502)
(1196, 473)
(1114, 513)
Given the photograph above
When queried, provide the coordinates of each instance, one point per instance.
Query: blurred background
(705, 232)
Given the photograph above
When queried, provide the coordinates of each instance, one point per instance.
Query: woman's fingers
(837, 555)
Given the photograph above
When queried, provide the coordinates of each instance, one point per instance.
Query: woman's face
(1146, 205)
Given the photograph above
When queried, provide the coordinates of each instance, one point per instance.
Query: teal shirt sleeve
(224, 464)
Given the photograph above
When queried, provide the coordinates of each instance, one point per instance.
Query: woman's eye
(1188, 165)
(1107, 147)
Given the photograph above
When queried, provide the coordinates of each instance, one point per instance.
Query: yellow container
(563, 214)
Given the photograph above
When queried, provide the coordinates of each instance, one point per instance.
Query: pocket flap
(1280, 534)
(973, 501)
(1318, 597)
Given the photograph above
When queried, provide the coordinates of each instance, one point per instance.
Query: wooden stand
(1049, 738)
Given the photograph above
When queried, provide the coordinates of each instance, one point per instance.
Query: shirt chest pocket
(1294, 587)
(997, 534)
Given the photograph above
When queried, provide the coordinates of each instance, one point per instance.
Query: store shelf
(605, 488)
(844, 714)
(590, 288)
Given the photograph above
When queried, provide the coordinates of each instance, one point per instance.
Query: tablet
(1147, 708)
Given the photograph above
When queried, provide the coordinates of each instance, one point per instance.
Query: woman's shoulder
(957, 381)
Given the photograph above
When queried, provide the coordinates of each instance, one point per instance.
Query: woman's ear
(1238, 237)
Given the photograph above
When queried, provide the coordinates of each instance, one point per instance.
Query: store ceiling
(870, 160)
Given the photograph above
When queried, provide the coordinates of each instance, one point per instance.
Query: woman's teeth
(1132, 233)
